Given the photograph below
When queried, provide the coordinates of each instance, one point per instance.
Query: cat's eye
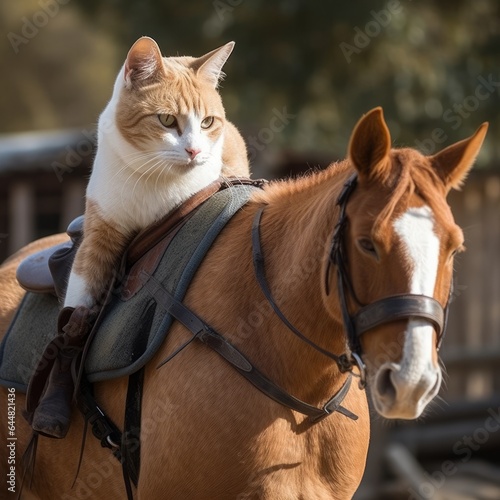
(207, 122)
(167, 120)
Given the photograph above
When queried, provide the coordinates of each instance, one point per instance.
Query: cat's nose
(193, 152)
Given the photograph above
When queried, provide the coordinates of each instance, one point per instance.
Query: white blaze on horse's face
(416, 378)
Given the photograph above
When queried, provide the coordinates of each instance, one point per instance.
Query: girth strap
(399, 307)
(230, 353)
(104, 429)
(102, 426)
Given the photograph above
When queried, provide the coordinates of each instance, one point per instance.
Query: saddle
(34, 273)
(133, 326)
(134, 322)
(47, 271)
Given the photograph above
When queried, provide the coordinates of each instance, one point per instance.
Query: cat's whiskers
(160, 169)
(154, 168)
(134, 172)
(132, 157)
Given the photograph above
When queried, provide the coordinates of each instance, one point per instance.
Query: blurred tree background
(433, 66)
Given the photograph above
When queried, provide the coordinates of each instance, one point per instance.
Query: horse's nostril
(385, 385)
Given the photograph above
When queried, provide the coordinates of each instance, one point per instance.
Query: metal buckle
(111, 442)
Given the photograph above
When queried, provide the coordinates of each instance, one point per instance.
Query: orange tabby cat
(162, 137)
(165, 137)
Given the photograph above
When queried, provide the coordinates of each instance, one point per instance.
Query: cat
(162, 137)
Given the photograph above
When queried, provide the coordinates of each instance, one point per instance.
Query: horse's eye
(367, 246)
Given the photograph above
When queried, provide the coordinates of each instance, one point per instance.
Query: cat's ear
(210, 65)
(144, 61)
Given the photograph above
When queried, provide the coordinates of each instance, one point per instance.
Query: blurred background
(301, 75)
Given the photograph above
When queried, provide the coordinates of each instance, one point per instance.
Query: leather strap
(150, 236)
(399, 307)
(131, 436)
(103, 428)
(260, 274)
(230, 353)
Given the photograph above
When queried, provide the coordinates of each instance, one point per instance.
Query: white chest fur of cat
(162, 137)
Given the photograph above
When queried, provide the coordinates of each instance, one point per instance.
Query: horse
(206, 431)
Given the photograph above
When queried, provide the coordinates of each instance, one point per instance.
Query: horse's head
(400, 240)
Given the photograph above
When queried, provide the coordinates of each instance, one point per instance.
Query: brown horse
(209, 434)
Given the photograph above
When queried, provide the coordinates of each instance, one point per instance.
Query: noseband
(386, 310)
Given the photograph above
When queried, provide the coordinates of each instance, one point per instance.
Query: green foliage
(327, 63)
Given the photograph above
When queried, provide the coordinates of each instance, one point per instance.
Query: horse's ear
(210, 65)
(143, 62)
(370, 145)
(453, 163)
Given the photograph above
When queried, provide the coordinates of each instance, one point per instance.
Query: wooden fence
(471, 350)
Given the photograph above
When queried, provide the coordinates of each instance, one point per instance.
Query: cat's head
(170, 106)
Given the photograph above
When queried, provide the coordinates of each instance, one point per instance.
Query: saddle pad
(132, 329)
(33, 326)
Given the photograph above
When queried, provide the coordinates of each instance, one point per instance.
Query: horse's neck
(296, 231)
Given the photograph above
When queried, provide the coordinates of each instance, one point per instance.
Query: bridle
(386, 310)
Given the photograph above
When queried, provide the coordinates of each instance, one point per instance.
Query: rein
(258, 261)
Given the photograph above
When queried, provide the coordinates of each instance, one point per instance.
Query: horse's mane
(290, 187)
